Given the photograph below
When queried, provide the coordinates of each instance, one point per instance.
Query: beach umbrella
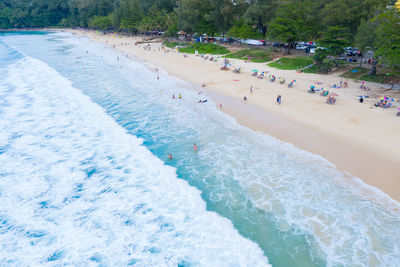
(254, 70)
(333, 94)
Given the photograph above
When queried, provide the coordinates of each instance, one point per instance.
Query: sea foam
(75, 188)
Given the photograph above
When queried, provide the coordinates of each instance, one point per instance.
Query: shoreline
(348, 153)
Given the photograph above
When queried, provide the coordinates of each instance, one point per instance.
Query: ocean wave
(77, 189)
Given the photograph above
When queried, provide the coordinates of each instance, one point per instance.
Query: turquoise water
(290, 205)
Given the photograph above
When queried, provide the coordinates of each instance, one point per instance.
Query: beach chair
(331, 100)
(272, 79)
(261, 76)
(388, 105)
(311, 90)
(324, 93)
(237, 70)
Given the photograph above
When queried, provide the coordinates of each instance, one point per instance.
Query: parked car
(301, 47)
(253, 42)
(313, 50)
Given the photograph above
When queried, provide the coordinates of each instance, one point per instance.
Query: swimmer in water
(195, 148)
(170, 156)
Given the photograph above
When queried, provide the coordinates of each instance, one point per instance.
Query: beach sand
(357, 138)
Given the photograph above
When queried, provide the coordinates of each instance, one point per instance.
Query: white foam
(349, 222)
(77, 189)
(304, 192)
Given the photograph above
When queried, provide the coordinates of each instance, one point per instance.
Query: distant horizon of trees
(335, 23)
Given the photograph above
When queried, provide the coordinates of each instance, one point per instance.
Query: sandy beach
(357, 138)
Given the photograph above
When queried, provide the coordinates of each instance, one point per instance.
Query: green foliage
(291, 63)
(355, 73)
(191, 14)
(348, 14)
(388, 37)
(260, 12)
(5, 14)
(220, 15)
(335, 39)
(293, 22)
(255, 55)
(241, 30)
(366, 36)
(131, 14)
(171, 44)
(319, 56)
(101, 23)
(203, 48)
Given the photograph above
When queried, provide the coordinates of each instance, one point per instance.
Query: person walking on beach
(279, 99)
(158, 77)
(180, 96)
(251, 89)
(173, 96)
(244, 99)
(195, 148)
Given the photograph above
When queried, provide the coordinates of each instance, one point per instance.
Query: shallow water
(71, 111)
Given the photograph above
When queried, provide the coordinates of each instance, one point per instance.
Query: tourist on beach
(251, 89)
(245, 99)
(220, 106)
(361, 99)
(158, 77)
(195, 148)
(180, 96)
(173, 96)
(279, 99)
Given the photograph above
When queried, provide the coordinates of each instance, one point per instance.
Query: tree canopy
(371, 24)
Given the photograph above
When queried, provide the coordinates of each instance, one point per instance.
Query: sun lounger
(331, 100)
(236, 70)
(324, 93)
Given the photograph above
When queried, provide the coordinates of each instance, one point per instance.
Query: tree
(335, 39)
(388, 38)
(349, 14)
(293, 22)
(260, 12)
(365, 40)
(101, 22)
(131, 14)
(221, 15)
(191, 16)
(241, 30)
